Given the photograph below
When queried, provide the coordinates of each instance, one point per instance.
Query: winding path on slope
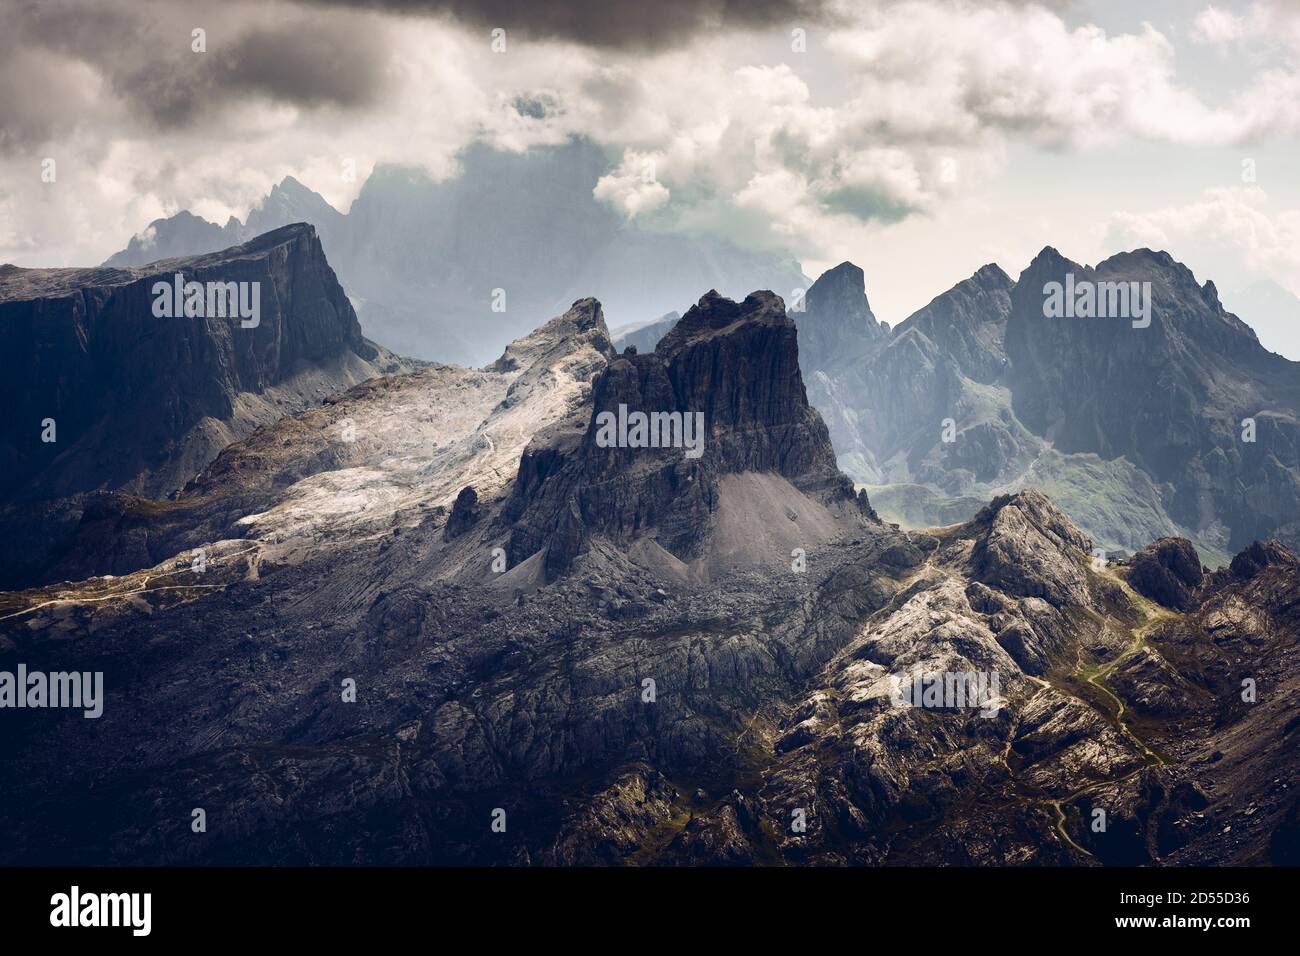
(1153, 617)
(147, 577)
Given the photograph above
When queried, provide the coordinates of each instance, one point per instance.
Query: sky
(920, 139)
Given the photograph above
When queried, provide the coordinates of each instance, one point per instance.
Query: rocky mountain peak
(1168, 571)
(992, 277)
(837, 323)
(727, 378)
(290, 201)
(143, 402)
(1048, 257)
(1260, 555)
(843, 288)
(583, 324)
(966, 324)
(1163, 377)
(715, 312)
(1029, 548)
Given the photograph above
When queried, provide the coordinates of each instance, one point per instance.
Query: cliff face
(729, 372)
(140, 402)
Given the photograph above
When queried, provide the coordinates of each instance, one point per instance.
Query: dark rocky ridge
(1167, 571)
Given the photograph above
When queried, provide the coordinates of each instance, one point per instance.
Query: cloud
(633, 188)
(38, 88)
(898, 109)
(138, 66)
(326, 64)
(1264, 27)
(1213, 25)
(940, 71)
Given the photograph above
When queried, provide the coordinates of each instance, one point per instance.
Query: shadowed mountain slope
(141, 403)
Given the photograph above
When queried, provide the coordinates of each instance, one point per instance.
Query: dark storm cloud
(629, 24)
(67, 63)
(142, 53)
(311, 65)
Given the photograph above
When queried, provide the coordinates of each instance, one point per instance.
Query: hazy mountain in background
(836, 324)
(1136, 433)
(643, 336)
(1274, 314)
(423, 260)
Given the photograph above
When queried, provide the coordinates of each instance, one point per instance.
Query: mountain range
(438, 616)
(1187, 427)
(1134, 443)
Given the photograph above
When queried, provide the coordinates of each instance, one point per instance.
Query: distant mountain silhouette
(422, 260)
(1274, 314)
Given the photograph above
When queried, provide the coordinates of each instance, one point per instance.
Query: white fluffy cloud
(1274, 22)
(1229, 226)
(1213, 25)
(633, 187)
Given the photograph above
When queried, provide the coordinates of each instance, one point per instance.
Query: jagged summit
(1151, 403)
(991, 276)
(715, 313)
(842, 291)
(1047, 256)
(729, 372)
(837, 325)
(584, 318)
